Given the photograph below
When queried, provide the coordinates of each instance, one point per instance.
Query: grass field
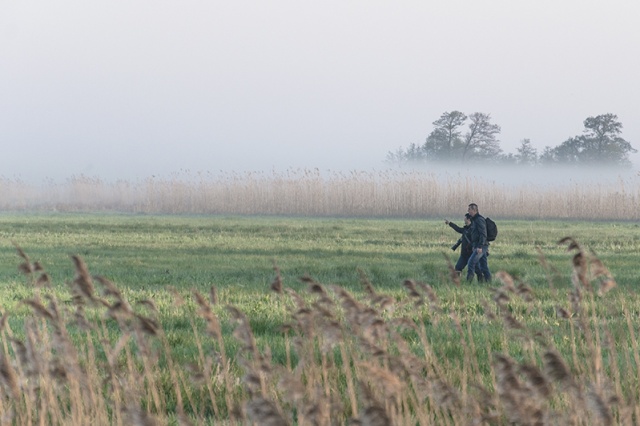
(165, 259)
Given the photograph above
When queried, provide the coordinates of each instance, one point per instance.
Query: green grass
(147, 256)
(147, 253)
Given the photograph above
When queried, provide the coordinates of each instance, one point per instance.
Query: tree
(602, 142)
(480, 141)
(508, 159)
(526, 154)
(569, 151)
(444, 141)
(413, 154)
(548, 156)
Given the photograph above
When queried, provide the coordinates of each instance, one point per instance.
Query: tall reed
(388, 193)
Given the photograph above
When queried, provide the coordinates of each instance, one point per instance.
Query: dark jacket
(465, 247)
(478, 232)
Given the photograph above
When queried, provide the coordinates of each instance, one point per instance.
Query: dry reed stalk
(149, 365)
(121, 390)
(204, 363)
(581, 279)
(214, 329)
(487, 400)
(431, 363)
(509, 388)
(95, 402)
(264, 412)
(287, 347)
(636, 357)
(628, 387)
(454, 275)
(599, 407)
(614, 367)
(304, 378)
(33, 361)
(154, 328)
(9, 379)
(134, 328)
(117, 393)
(427, 379)
(174, 374)
(473, 361)
(66, 364)
(346, 367)
(389, 387)
(134, 383)
(258, 370)
(135, 416)
(82, 282)
(379, 301)
(597, 348)
(591, 345)
(325, 374)
(466, 358)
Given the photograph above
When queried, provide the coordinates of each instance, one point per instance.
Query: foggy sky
(129, 89)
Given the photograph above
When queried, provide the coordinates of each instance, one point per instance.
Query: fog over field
(549, 177)
(128, 90)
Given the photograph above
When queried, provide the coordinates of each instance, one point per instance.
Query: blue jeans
(462, 263)
(479, 261)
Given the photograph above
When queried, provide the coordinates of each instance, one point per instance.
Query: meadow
(203, 319)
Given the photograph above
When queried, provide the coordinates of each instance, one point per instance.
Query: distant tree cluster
(448, 142)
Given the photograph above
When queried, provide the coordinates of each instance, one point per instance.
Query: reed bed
(91, 356)
(301, 192)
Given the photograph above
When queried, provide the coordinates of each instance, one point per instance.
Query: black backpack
(492, 229)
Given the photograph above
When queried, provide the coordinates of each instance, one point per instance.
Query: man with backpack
(465, 244)
(479, 245)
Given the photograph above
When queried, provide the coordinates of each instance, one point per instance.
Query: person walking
(465, 244)
(479, 245)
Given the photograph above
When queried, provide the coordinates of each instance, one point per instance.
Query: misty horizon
(508, 176)
(133, 90)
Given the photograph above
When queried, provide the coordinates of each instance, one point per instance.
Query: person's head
(473, 209)
(467, 219)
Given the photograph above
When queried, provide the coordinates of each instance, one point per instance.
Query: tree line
(458, 138)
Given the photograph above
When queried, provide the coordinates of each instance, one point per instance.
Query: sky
(131, 89)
